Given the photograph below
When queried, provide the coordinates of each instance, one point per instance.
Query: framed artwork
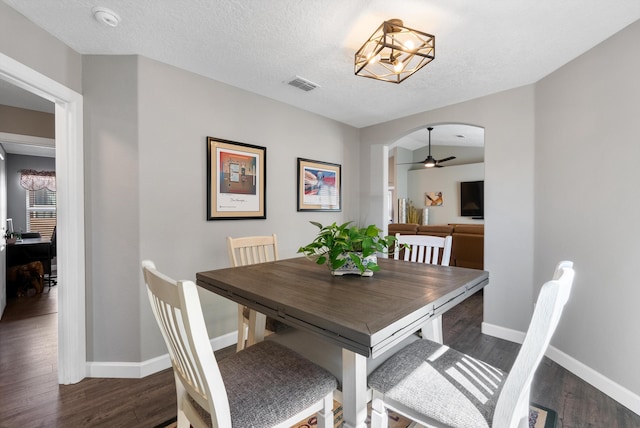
(319, 186)
(236, 180)
(433, 199)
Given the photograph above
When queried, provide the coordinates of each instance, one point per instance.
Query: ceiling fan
(430, 162)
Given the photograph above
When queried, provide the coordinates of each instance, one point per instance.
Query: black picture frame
(319, 186)
(236, 180)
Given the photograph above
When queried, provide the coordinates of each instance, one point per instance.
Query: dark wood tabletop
(363, 314)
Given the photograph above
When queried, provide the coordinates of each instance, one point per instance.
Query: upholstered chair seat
(441, 383)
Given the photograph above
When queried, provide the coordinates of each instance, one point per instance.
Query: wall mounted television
(472, 199)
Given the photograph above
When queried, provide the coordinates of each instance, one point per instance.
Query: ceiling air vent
(303, 84)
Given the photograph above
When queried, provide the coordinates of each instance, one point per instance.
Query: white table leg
(433, 329)
(354, 389)
(257, 322)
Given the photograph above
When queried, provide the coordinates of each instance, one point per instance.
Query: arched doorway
(409, 180)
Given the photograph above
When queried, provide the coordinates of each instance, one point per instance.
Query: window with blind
(41, 211)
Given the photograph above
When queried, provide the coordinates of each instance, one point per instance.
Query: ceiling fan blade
(413, 163)
(447, 159)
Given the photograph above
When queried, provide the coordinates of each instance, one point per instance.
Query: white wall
(587, 175)
(446, 180)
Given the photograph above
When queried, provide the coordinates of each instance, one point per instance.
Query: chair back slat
(250, 250)
(184, 361)
(423, 249)
(176, 307)
(514, 398)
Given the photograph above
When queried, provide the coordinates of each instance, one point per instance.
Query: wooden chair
(437, 386)
(250, 250)
(430, 250)
(266, 385)
(424, 249)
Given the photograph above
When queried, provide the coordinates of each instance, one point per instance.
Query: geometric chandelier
(394, 52)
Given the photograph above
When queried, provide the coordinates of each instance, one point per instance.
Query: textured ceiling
(481, 47)
(257, 45)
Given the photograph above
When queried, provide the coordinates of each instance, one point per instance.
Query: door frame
(70, 246)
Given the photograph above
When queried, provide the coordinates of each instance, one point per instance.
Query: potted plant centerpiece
(348, 249)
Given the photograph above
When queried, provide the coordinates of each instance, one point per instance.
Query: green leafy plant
(335, 244)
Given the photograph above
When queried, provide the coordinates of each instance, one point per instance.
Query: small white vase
(349, 268)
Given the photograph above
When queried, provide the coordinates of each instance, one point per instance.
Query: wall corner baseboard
(607, 386)
(137, 370)
(502, 333)
(614, 390)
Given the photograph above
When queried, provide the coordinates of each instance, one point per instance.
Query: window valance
(31, 179)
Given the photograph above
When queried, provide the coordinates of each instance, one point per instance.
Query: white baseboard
(617, 392)
(502, 333)
(114, 369)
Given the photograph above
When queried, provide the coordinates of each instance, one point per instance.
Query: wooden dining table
(364, 316)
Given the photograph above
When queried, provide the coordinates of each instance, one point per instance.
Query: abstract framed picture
(236, 180)
(433, 199)
(319, 186)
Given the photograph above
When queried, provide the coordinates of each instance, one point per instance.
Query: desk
(364, 316)
(30, 250)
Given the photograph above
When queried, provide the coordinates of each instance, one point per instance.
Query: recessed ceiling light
(106, 16)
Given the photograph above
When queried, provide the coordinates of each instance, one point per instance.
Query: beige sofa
(467, 249)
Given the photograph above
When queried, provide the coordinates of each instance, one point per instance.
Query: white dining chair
(435, 250)
(428, 249)
(244, 251)
(437, 386)
(265, 385)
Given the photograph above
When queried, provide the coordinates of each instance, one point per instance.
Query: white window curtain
(31, 179)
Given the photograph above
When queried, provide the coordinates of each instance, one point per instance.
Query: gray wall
(16, 202)
(112, 207)
(560, 183)
(15, 120)
(587, 175)
(21, 40)
(534, 136)
(146, 125)
(508, 120)
(3, 219)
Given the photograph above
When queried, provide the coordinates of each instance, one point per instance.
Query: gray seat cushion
(268, 383)
(441, 383)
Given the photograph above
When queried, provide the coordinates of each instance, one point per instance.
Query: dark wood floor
(31, 397)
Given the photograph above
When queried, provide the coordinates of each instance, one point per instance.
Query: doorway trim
(72, 345)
